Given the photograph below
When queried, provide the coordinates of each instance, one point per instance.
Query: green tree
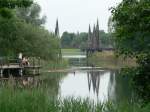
(6, 6)
(132, 26)
(132, 37)
(23, 32)
(17, 36)
(31, 14)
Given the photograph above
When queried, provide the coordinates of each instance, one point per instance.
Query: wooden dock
(14, 67)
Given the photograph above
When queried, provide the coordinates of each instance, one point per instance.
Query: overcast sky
(76, 15)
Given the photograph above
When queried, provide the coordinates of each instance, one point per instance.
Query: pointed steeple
(89, 29)
(97, 35)
(57, 29)
(94, 38)
(89, 38)
(90, 33)
(97, 25)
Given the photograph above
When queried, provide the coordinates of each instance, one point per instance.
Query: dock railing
(10, 64)
(7, 61)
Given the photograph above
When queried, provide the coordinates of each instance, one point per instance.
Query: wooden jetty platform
(14, 67)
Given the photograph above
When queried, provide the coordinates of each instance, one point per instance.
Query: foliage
(107, 40)
(139, 81)
(6, 6)
(31, 14)
(67, 39)
(23, 31)
(142, 77)
(132, 24)
(15, 3)
(79, 40)
(17, 36)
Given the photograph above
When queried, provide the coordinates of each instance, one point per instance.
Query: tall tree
(6, 6)
(31, 14)
(132, 32)
(132, 26)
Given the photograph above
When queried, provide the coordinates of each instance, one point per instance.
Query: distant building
(57, 35)
(94, 41)
(57, 29)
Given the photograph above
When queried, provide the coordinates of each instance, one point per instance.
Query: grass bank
(54, 65)
(35, 100)
(72, 52)
(107, 59)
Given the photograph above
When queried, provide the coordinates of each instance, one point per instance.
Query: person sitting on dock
(25, 61)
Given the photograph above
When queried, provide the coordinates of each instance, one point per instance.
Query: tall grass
(107, 59)
(53, 65)
(35, 100)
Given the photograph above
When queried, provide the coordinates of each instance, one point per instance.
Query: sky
(76, 15)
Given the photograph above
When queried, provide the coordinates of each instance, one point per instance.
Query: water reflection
(94, 80)
(94, 84)
(85, 82)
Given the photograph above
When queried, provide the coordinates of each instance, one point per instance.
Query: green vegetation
(79, 40)
(36, 100)
(108, 59)
(54, 65)
(131, 28)
(23, 32)
(72, 52)
(7, 6)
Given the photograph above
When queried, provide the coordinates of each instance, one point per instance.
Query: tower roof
(57, 28)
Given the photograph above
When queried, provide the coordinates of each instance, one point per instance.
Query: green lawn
(72, 52)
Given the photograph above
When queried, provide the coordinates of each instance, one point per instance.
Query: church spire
(97, 35)
(89, 28)
(97, 25)
(57, 29)
(94, 37)
(89, 37)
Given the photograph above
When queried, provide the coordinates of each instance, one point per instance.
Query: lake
(94, 83)
(91, 82)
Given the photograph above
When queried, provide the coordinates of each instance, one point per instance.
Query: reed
(35, 100)
(107, 59)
